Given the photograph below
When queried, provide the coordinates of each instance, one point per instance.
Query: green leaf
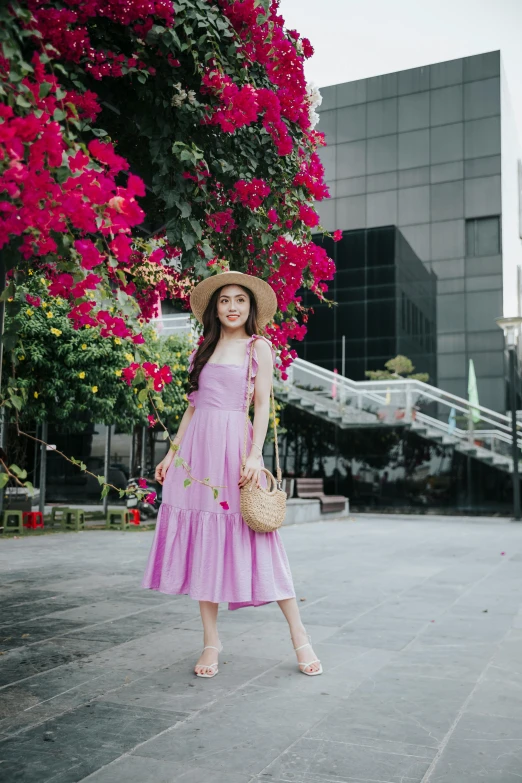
(16, 401)
(143, 395)
(29, 486)
(44, 90)
(215, 492)
(164, 435)
(99, 132)
(178, 462)
(185, 209)
(188, 240)
(101, 480)
(22, 474)
(4, 478)
(23, 102)
(105, 491)
(198, 228)
(187, 482)
(58, 115)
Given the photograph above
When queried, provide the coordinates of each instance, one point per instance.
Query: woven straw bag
(262, 509)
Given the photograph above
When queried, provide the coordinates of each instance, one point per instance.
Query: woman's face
(233, 307)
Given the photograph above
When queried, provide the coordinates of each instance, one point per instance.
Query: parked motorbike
(146, 509)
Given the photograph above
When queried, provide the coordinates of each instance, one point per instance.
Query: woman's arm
(262, 383)
(161, 469)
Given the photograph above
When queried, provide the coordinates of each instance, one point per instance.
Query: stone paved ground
(417, 620)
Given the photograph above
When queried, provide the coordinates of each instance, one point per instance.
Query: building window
(483, 236)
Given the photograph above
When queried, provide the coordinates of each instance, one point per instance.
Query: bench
(314, 488)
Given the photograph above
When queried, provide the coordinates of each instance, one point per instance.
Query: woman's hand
(163, 466)
(251, 472)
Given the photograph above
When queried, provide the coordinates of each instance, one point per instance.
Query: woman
(202, 547)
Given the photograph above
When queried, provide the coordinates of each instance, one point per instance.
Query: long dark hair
(212, 333)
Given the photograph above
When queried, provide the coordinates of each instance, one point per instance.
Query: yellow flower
(178, 383)
(56, 332)
(117, 341)
(117, 372)
(21, 357)
(87, 326)
(10, 299)
(140, 405)
(176, 367)
(29, 311)
(49, 314)
(177, 417)
(277, 422)
(44, 305)
(59, 301)
(30, 272)
(84, 346)
(94, 389)
(129, 357)
(81, 375)
(36, 393)
(43, 280)
(135, 391)
(178, 355)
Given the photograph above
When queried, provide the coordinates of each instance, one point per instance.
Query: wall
(421, 149)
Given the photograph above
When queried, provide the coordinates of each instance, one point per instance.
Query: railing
(400, 402)
(178, 323)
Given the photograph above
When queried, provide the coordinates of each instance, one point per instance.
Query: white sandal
(209, 665)
(310, 674)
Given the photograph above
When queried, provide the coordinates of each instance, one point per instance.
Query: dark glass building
(433, 151)
(385, 305)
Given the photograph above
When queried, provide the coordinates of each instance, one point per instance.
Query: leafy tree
(397, 369)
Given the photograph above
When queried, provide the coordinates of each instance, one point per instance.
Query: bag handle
(248, 400)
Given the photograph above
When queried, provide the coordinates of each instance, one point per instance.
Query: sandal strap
(303, 645)
(205, 665)
(211, 647)
(309, 662)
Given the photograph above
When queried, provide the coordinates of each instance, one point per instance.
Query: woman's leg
(298, 633)
(209, 614)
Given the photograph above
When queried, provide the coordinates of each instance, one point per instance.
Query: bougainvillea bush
(145, 144)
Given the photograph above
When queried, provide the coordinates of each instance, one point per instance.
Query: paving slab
(418, 622)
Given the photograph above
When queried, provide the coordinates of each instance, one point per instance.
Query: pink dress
(199, 548)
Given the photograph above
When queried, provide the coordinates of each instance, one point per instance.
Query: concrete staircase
(423, 408)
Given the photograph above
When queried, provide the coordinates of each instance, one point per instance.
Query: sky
(354, 39)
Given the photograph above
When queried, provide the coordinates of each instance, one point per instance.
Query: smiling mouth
(232, 317)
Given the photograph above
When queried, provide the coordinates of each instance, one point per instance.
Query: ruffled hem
(216, 557)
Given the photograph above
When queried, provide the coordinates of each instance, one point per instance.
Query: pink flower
(272, 215)
(151, 419)
(308, 215)
(150, 498)
(142, 484)
(224, 505)
(121, 247)
(34, 301)
(89, 253)
(104, 152)
(337, 235)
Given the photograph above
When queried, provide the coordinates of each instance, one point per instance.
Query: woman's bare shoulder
(263, 347)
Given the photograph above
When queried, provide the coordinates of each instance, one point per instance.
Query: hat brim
(264, 294)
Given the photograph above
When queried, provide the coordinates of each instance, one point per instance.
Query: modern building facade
(433, 151)
(386, 302)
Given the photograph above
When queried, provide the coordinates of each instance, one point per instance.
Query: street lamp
(511, 329)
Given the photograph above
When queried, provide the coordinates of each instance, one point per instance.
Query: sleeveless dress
(200, 548)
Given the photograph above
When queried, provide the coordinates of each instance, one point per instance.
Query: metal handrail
(332, 393)
(424, 390)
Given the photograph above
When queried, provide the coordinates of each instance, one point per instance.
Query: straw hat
(264, 294)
